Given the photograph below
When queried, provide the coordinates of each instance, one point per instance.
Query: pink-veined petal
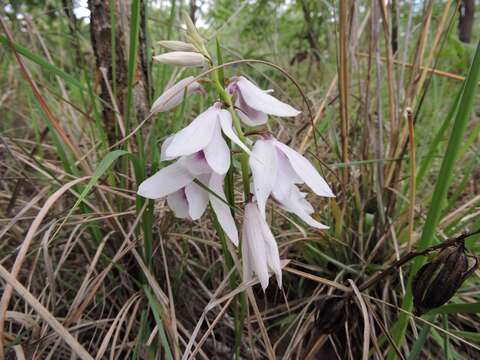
(249, 115)
(263, 162)
(227, 128)
(217, 152)
(173, 96)
(195, 136)
(165, 181)
(260, 100)
(197, 200)
(177, 201)
(306, 171)
(222, 210)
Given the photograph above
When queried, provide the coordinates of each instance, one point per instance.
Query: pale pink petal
(306, 171)
(173, 96)
(310, 220)
(260, 100)
(195, 136)
(197, 200)
(286, 176)
(227, 128)
(271, 248)
(195, 163)
(248, 115)
(217, 152)
(165, 181)
(177, 201)
(165, 144)
(285, 169)
(296, 203)
(253, 235)
(246, 258)
(304, 203)
(222, 210)
(263, 163)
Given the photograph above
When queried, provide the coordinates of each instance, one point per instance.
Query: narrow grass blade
(43, 63)
(132, 56)
(417, 347)
(161, 330)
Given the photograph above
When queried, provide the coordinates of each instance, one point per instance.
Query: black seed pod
(331, 313)
(437, 281)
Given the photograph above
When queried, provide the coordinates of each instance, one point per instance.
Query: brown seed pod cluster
(438, 280)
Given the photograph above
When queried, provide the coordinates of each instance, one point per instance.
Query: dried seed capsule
(331, 313)
(437, 281)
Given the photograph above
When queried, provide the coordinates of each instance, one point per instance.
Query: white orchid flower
(259, 248)
(181, 58)
(204, 133)
(185, 197)
(276, 168)
(254, 104)
(173, 95)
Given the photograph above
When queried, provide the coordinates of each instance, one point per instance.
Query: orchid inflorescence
(203, 158)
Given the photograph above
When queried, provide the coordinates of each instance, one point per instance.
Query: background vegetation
(89, 268)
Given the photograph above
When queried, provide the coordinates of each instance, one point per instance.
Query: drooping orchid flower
(276, 168)
(185, 197)
(173, 96)
(204, 133)
(254, 104)
(259, 248)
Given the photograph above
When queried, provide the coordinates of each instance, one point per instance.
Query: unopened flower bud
(331, 313)
(437, 281)
(191, 29)
(181, 58)
(174, 95)
(177, 45)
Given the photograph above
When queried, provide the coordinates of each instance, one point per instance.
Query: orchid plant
(202, 157)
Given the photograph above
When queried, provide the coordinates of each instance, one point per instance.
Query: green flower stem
(236, 123)
(240, 309)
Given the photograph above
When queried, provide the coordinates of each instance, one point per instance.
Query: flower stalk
(226, 99)
(200, 172)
